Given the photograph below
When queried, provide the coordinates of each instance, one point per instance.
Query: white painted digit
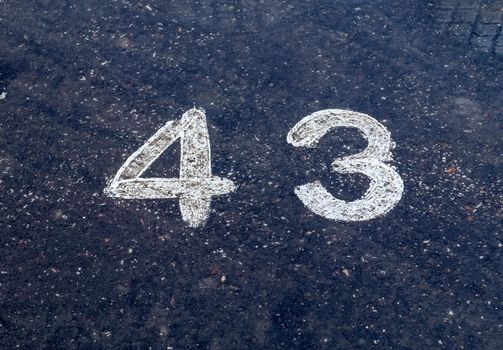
(196, 185)
(386, 186)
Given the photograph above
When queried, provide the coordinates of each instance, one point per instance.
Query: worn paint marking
(196, 185)
(386, 186)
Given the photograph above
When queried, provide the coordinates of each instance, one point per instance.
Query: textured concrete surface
(83, 84)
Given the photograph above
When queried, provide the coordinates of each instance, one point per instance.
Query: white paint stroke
(386, 185)
(196, 185)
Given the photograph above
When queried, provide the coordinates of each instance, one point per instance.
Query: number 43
(196, 185)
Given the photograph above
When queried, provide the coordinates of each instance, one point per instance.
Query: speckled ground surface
(85, 83)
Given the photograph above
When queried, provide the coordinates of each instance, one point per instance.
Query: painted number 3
(196, 185)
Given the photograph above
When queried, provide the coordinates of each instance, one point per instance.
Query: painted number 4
(196, 185)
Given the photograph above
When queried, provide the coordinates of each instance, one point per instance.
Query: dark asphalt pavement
(83, 84)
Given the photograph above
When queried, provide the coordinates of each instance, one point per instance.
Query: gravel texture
(84, 84)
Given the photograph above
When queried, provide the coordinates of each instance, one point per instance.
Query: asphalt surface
(83, 84)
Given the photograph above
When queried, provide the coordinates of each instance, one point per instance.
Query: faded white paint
(386, 186)
(196, 185)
